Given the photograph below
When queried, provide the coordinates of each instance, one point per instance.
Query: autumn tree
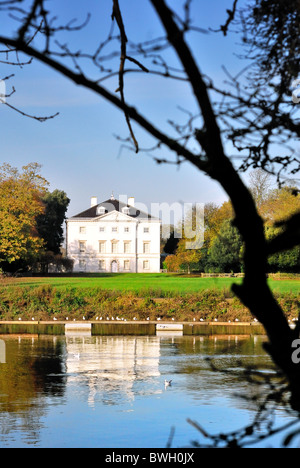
(21, 196)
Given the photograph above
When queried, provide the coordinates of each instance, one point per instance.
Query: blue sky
(78, 150)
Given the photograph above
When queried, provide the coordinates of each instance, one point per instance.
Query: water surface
(109, 391)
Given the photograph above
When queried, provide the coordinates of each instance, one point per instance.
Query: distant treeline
(223, 247)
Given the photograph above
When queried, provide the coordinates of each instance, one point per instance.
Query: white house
(114, 237)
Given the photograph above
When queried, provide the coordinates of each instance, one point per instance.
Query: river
(109, 391)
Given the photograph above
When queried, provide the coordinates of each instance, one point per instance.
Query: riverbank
(107, 328)
(46, 302)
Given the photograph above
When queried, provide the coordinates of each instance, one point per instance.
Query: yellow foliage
(20, 204)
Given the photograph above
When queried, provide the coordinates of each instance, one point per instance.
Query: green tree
(226, 250)
(286, 261)
(50, 222)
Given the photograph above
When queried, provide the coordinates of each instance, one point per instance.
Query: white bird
(173, 319)
(148, 318)
(237, 320)
(201, 320)
(32, 319)
(216, 319)
(83, 318)
(55, 319)
(20, 318)
(100, 318)
(67, 318)
(168, 383)
(194, 319)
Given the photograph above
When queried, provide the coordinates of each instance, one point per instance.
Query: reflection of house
(114, 237)
(112, 367)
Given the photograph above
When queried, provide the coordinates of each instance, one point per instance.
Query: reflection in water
(111, 366)
(108, 391)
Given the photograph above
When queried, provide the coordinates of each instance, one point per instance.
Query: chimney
(131, 201)
(94, 201)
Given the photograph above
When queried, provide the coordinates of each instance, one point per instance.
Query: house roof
(113, 205)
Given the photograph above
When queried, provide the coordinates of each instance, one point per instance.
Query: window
(82, 246)
(82, 265)
(101, 265)
(82, 230)
(114, 247)
(126, 210)
(146, 230)
(102, 248)
(102, 229)
(126, 229)
(126, 265)
(146, 247)
(146, 265)
(100, 210)
(126, 247)
(114, 229)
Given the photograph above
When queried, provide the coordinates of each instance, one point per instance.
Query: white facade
(113, 237)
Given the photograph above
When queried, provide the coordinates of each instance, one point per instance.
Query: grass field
(139, 283)
(129, 296)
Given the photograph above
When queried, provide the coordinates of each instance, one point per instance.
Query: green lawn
(142, 282)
